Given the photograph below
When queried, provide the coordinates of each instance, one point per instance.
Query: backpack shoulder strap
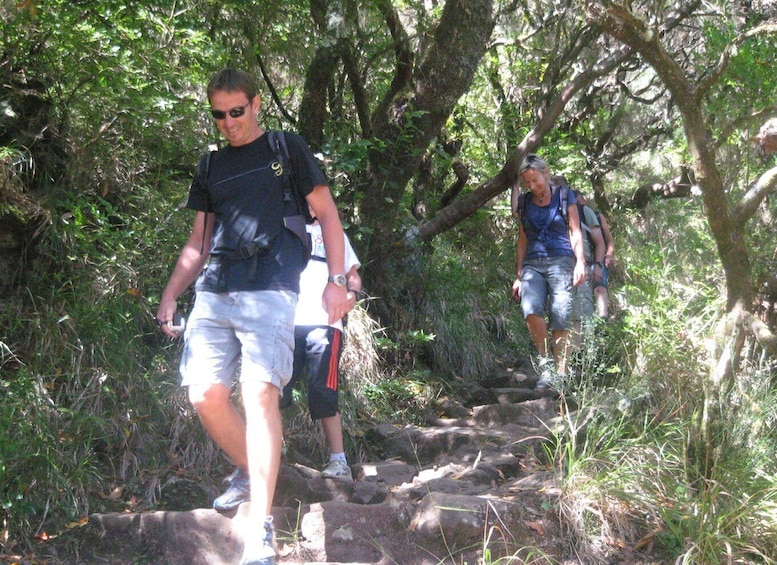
(563, 202)
(581, 215)
(204, 165)
(291, 192)
(521, 204)
(604, 237)
(297, 214)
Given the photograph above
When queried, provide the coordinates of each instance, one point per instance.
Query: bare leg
(222, 421)
(538, 329)
(333, 431)
(263, 441)
(602, 300)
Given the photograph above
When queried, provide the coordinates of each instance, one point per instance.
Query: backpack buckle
(259, 245)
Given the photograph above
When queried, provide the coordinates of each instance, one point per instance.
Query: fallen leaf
(77, 523)
(536, 527)
(114, 495)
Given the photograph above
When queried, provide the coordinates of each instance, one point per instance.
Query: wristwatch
(337, 280)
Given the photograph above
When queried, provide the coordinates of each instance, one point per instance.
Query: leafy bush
(637, 475)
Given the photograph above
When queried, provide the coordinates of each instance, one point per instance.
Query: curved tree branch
(743, 121)
(506, 177)
(746, 208)
(731, 49)
(361, 100)
(405, 58)
(252, 55)
(621, 24)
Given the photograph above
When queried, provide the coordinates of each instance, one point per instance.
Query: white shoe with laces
(548, 377)
(337, 469)
(261, 550)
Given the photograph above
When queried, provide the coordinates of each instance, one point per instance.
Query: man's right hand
(164, 317)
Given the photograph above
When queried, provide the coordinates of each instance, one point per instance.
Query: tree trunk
(415, 115)
(732, 250)
(727, 223)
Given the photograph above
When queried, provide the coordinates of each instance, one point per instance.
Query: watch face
(338, 280)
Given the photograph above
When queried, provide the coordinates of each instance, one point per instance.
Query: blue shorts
(547, 281)
(317, 349)
(254, 329)
(605, 280)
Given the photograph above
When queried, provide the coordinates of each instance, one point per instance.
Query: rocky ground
(471, 487)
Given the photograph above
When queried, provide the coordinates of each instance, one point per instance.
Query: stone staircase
(473, 482)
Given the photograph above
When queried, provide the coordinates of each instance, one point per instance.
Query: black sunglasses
(234, 112)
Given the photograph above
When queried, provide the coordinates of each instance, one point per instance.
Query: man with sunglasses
(245, 299)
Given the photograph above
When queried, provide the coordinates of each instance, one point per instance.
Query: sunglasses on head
(235, 112)
(531, 161)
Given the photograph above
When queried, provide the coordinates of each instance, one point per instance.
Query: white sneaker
(337, 469)
(261, 550)
(545, 369)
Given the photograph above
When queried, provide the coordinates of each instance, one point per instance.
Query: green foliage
(468, 305)
(89, 402)
(109, 95)
(88, 396)
(748, 75)
(45, 459)
(634, 474)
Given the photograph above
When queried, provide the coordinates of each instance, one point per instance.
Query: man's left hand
(336, 302)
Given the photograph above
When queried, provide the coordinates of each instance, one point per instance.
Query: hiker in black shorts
(318, 346)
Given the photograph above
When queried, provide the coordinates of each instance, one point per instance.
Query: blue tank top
(546, 229)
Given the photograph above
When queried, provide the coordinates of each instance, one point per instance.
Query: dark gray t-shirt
(245, 193)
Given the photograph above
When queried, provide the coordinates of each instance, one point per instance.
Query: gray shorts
(254, 329)
(546, 282)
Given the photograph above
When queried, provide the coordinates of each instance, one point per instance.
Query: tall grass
(636, 480)
(85, 380)
(468, 304)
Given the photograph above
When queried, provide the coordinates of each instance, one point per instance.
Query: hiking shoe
(238, 492)
(262, 551)
(543, 384)
(337, 469)
(546, 371)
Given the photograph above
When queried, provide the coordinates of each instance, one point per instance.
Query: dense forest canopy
(421, 112)
(394, 94)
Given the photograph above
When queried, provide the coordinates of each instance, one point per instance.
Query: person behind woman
(601, 285)
(583, 307)
(549, 261)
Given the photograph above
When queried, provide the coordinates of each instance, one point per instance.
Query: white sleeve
(351, 260)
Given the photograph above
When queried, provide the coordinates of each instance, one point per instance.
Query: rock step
(438, 493)
(327, 532)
